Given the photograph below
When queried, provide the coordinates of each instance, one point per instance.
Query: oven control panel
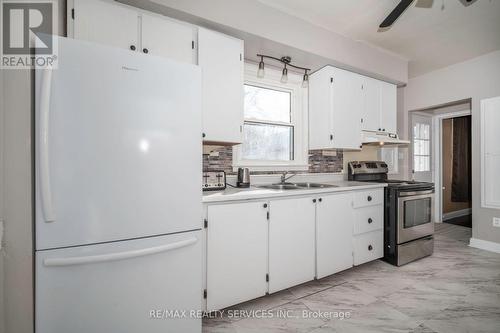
(364, 167)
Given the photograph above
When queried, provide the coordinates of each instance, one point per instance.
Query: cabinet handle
(145, 50)
(265, 205)
(320, 199)
(369, 198)
(370, 220)
(314, 200)
(370, 247)
(132, 47)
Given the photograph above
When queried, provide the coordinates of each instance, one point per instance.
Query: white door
(120, 286)
(388, 107)
(347, 102)
(109, 162)
(106, 23)
(371, 105)
(320, 109)
(167, 38)
(421, 147)
(221, 60)
(334, 227)
(236, 253)
(291, 242)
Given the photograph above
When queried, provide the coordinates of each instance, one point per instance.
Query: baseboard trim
(484, 245)
(457, 213)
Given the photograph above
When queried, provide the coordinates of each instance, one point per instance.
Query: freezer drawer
(120, 287)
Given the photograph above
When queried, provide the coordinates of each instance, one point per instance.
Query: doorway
(440, 152)
(456, 175)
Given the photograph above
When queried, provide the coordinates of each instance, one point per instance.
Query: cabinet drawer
(368, 219)
(368, 198)
(368, 247)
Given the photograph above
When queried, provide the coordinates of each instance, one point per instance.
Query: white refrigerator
(118, 196)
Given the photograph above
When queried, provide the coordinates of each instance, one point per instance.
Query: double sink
(295, 186)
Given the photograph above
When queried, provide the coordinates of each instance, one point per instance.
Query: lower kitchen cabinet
(236, 253)
(291, 242)
(368, 246)
(334, 225)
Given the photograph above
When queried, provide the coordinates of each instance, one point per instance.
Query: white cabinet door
(221, 61)
(320, 109)
(388, 107)
(347, 102)
(291, 242)
(371, 105)
(167, 38)
(236, 253)
(334, 225)
(106, 23)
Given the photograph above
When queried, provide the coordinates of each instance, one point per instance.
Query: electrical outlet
(496, 221)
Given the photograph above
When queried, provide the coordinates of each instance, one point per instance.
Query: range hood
(382, 138)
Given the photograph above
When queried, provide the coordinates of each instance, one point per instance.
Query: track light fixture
(286, 61)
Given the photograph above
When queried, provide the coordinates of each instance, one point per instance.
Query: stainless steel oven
(415, 215)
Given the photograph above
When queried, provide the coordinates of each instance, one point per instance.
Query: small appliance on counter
(214, 180)
(408, 216)
(243, 178)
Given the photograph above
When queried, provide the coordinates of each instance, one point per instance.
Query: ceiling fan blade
(396, 12)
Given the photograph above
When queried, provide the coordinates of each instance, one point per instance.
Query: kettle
(243, 178)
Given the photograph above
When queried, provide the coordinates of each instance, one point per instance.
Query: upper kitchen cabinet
(105, 22)
(388, 107)
(122, 26)
(221, 60)
(379, 106)
(335, 106)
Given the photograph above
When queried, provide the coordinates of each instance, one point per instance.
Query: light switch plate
(496, 221)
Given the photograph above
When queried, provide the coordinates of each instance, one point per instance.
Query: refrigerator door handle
(58, 262)
(43, 154)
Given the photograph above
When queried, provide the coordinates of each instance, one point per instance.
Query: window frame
(423, 140)
(298, 120)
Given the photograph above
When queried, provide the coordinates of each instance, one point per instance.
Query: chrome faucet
(284, 178)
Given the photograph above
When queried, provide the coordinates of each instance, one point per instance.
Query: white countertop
(234, 194)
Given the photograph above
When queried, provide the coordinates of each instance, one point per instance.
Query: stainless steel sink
(288, 186)
(314, 185)
(295, 186)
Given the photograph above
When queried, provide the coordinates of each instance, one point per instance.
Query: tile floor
(455, 290)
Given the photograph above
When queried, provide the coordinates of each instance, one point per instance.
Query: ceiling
(430, 38)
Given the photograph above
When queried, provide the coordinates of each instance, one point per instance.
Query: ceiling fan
(404, 4)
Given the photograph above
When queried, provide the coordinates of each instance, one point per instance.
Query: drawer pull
(369, 198)
(370, 247)
(265, 205)
(370, 220)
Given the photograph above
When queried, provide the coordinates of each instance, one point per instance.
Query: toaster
(214, 180)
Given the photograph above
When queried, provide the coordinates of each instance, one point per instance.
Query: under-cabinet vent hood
(382, 138)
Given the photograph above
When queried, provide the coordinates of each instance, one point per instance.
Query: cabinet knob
(369, 198)
(320, 199)
(145, 50)
(379, 129)
(370, 247)
(383, 129)
(203, 135)
(132, 47)
(370, 220)
(331, 136)
(314, 200)
(265, 205)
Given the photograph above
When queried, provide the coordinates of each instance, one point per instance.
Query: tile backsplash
(217, 158)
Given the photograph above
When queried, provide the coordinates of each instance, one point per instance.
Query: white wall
(255, 18)
(477, 79)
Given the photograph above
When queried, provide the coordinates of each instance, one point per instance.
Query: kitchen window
(421, 147)
(275, 119)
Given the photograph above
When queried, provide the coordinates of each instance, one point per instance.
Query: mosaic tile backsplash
(221, 158)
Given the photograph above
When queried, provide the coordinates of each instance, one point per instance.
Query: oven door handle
(415, 193)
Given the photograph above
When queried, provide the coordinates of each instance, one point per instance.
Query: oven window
(417, 212)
